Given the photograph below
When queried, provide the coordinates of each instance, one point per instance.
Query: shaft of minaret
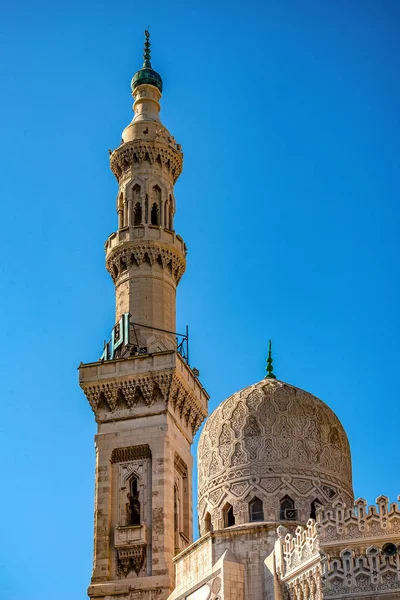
(145, 257)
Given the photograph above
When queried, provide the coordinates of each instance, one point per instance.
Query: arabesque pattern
(277, 440)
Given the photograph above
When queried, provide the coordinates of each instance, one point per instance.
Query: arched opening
(133, 504)
(314, 505)
(120, 211)
(171, 213)
(256, 510)
(207, 522)
(229, 517)
(137, 214)
(166, 217)
(155, 215)
(176, 517)
(287, 510)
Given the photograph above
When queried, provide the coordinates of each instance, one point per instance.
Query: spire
(269, 368)
(146, 51)
(146, 75)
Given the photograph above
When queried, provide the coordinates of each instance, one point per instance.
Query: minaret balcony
(130, 543)
(146, 232)
(128, 536)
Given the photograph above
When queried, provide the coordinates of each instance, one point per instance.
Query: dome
(278, 445)
(148, 76)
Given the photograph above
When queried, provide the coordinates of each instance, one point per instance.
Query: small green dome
(146, 75)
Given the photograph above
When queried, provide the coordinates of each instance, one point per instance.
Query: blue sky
(288, 115)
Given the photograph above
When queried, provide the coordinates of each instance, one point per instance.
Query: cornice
(134, 254)
(122, 395)
(140, 152)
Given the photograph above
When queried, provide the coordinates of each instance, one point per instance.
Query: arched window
(137, 205)
(137, 214)
(314, 505)
(287, 509)
(166, 215)
(133, 504)
(207, 522)
(229, 517)
(171, 213)
(120, 211)
(256, 510)
(155, 215)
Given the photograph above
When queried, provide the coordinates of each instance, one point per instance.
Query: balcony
(130, 535)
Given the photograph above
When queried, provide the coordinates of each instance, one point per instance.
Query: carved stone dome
(275, 444)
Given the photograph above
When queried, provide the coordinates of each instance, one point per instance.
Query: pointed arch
(133, 509)
(256, 509)
(229, 517)
(207, 522)
(314, 505)
(286, 504)
(137, 214)
(120, 211)
(155, 215)
(171, 213)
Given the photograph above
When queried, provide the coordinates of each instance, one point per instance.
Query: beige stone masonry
(127, 388)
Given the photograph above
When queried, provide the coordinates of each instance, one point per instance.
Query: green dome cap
(146, 74)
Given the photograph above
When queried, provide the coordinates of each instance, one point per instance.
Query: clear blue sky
(288, 114)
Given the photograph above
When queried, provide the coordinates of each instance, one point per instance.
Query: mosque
(276, 510)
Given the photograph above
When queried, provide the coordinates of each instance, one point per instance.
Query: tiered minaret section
(145, 257)
(147, 400)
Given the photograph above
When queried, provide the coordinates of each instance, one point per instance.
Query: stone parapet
(348, 553)
(358, 524)
(148, 232)
(368, 574)
(130, 535)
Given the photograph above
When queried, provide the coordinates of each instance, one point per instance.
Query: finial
(146, 51)
(269, 368)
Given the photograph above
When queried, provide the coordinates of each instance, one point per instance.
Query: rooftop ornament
(146, 75)
(269, 368)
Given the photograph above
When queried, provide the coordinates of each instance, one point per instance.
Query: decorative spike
(269, 368)
(147, 51)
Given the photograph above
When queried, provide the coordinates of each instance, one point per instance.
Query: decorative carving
(139, 151)
(174, 391)
(359, 521)
(130, 453)
(131, 558)
(285, 440)
(216, 585)
(134, 254)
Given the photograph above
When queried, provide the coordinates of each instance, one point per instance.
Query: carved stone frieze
(130, 453)
(104, 396)
(131, 255)
(139, 152)
(131, 558)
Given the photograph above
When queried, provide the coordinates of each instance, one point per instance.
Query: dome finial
(146, 50)
(146, 75)
(269, 368)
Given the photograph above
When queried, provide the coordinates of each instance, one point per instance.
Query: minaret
(147, 400)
